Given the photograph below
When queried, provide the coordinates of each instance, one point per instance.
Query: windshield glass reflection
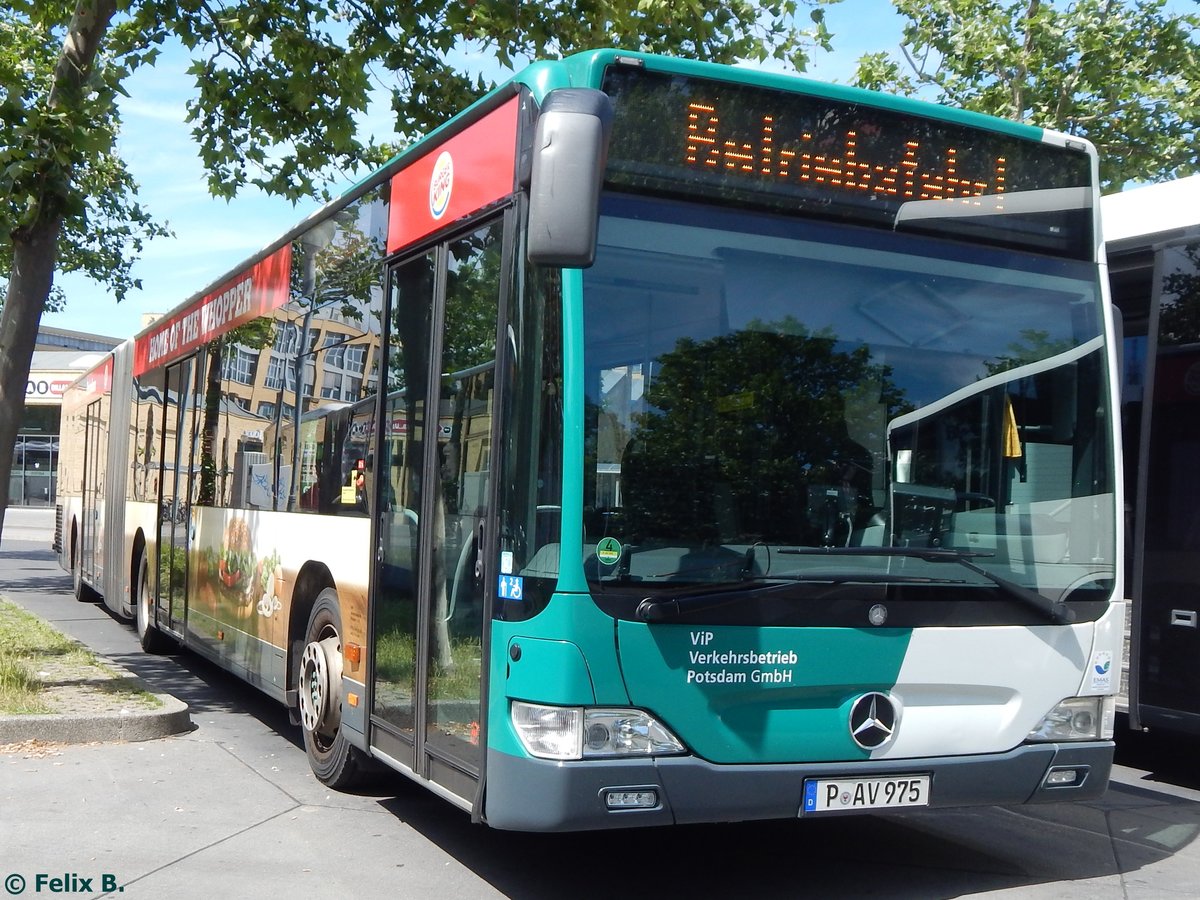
(756, 384)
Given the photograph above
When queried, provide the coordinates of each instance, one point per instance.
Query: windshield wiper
(1055, 610)
(672, 606)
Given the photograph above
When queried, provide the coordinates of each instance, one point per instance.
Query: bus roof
(586, 69)
(1152, 210)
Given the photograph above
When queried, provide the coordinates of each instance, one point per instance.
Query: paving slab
(230, 809)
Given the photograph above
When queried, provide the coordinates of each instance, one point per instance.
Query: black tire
(84, 592)
(333, 759)
(151, 639)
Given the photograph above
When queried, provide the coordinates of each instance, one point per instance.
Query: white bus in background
(1152, 236)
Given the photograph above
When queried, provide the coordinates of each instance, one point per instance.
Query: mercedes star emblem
(872, 720)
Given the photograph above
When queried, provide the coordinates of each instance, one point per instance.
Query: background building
(59, 357)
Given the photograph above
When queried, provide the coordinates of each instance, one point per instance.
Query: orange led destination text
(904, 179)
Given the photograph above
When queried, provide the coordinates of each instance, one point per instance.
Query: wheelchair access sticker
(512, 587)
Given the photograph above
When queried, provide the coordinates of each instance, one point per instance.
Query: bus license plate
(891, 792)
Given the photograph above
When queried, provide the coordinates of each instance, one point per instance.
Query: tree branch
(221, 39)
(1018, 82)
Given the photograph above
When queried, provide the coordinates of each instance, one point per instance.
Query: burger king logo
(441, 183)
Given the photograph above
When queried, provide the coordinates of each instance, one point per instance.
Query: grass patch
(19, 690)
(128, 687)
(25, 640)
(25, 636)
(29, 645)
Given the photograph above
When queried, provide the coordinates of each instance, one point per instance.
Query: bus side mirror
(570, 147)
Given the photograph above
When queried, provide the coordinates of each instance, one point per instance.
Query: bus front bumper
(543, 795)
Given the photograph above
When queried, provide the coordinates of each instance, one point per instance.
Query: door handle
(479, 555)
(1183, 618)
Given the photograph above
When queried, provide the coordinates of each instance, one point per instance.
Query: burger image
(235, 564)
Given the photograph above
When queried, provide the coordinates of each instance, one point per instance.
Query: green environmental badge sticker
(608, 551)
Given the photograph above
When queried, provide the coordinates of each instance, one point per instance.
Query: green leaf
(1122, 73)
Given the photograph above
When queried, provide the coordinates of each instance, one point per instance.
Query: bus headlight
(549, 732)
(622, 732)
(572, 732)
(1078, 719)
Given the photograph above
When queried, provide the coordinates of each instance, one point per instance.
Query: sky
(211, 236)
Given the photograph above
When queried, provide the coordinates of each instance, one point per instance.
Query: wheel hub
(144, 611)
(320, 686)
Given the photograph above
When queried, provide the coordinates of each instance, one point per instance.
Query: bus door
(95, 442)
(1167, 546)
(176, 489)
(434, 585)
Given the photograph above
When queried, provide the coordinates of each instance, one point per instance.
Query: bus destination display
(851, 161)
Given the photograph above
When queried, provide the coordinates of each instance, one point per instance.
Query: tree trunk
(32, 276)
(35, 246)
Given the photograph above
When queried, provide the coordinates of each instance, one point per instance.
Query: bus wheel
(152, 640)
(334, 760)
(84, 592)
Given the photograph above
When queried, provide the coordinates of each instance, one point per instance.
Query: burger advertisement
(240, 584)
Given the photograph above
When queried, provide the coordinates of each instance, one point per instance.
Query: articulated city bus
(1152, 236)
(655, 442)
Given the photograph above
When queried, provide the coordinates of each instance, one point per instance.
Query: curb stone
(130, 724)
(116, 723)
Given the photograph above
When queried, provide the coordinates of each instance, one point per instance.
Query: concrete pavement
(34, 524)
(88, 711)
(231, 809)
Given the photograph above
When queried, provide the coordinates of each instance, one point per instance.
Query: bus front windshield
(772, 399)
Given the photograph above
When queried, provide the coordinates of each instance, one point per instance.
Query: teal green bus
(655, 442)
